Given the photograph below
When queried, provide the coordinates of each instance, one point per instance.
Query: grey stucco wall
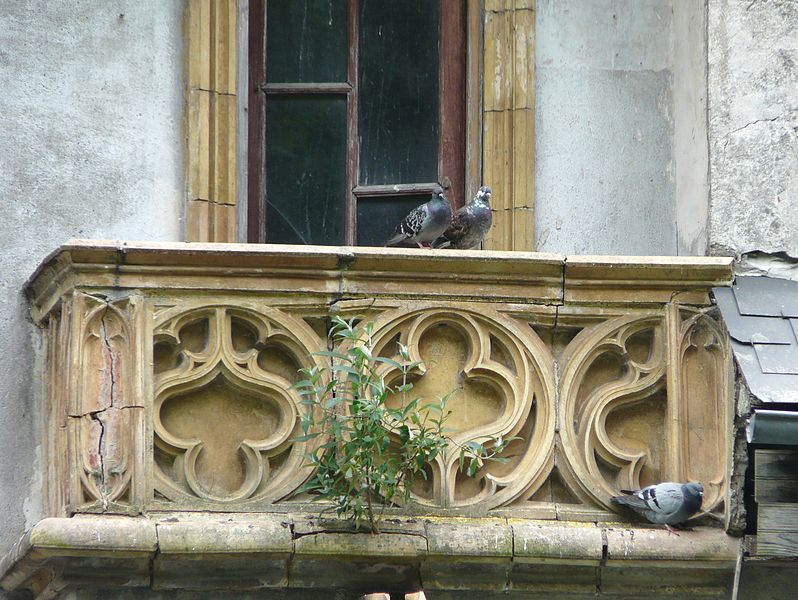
(753, 126)
(604, 127)
(690, 143)
(91, 102)
(621, 165)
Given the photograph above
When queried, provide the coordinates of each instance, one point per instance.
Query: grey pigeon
(424, 223)
(470, 224)
(665, 503)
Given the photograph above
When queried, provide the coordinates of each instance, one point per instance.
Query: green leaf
(362, 350)
(306, 437)
(410, 406)
(388, 361)
(304, 383)
(333, 402)
(346, 369)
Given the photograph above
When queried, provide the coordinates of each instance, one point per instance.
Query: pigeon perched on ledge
(664, 503)
(424, 223)
(469, 225)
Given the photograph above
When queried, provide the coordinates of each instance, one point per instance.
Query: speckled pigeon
(424, 223)
(470, 224)
(665, 503)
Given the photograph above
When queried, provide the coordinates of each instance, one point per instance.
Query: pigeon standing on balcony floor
(424, 223)
(470, 224)
(664, 503)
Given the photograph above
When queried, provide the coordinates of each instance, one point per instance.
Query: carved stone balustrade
(169, 370)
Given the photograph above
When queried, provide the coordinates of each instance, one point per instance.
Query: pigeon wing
(409, 226)
(457, 230)
(663, 499)
(633, 500)
(656, 502)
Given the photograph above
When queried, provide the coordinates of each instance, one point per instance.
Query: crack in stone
(211, 201)
(216, 92)
(604, 554)
(103, 489)
(733, 131)
(512, 208)
(154, 556)
(345, 261)
(290, 561)
(97, 415)
(508, 581)
(296, 535)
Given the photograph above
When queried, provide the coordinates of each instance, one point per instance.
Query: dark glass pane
(378, 217)
(305, 169)
(398, 94)
(306, 41)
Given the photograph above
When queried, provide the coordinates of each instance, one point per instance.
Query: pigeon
(470, 224)
(664, 503)
(424, 223)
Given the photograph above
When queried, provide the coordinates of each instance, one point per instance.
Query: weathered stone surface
(93, 535)
(100, 550)
(659, 546)
(536, 542)
(485, 539)
(643, 279)
(224, 534)
(280, 551)
(753, 126)
(395, 546)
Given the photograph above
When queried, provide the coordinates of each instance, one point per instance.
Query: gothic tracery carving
(611, 368)
(225, 413)
(500, 377)
(181, 398)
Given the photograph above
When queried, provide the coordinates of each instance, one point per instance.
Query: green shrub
(373, 452)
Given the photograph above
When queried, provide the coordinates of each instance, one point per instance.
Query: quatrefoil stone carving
(225, 413)
(500, 377)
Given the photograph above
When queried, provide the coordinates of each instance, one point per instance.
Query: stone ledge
(246, 551)
(333, 272)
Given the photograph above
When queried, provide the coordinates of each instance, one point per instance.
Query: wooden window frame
(451, 117)
(499, 125)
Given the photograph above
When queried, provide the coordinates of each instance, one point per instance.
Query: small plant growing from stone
(378, 439)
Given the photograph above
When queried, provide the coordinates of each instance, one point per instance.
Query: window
(356, 113)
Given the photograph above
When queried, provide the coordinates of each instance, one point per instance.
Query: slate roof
(761, 316)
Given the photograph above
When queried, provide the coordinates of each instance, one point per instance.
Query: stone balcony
(168, 427)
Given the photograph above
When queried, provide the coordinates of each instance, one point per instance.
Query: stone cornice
(247, 551)
(338, 272)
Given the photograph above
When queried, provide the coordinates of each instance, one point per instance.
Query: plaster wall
(690, 147)
(621, 139)
(90, 131)
(753, 126)
(604, 127)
